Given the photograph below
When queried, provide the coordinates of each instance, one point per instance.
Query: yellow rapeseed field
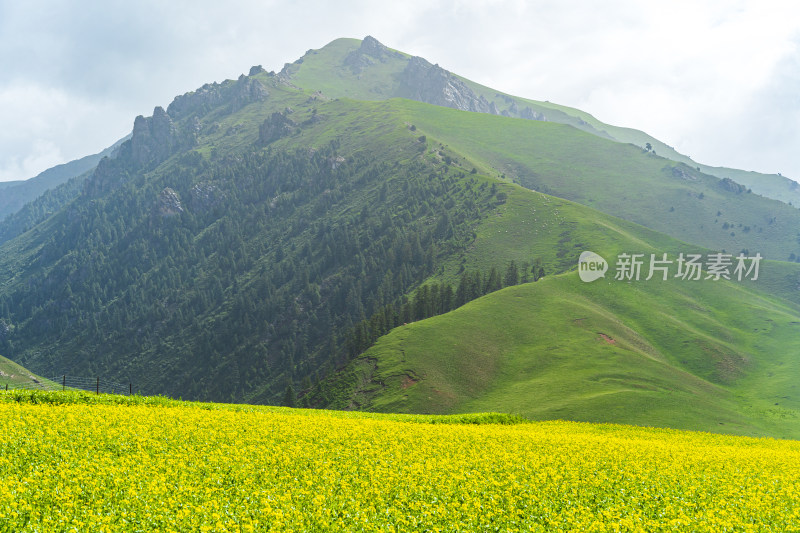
(79, 467)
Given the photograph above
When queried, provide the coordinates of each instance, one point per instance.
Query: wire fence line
(96, 385)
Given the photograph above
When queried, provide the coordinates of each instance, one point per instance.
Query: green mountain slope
(681, 355)
(772, 186)
(368, 70)
(556, 159)
(619, 179)
(224, 263)
(704, 355)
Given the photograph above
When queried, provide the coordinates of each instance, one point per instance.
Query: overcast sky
(718, 80)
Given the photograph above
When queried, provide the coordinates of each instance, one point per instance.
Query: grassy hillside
(703, 355)
(713, 356)
(683, 355)
(16, 377)
(615, 178)
(667, 192)
(328, 70)
(772, 186)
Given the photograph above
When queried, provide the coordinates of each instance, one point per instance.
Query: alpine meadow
(370, 265)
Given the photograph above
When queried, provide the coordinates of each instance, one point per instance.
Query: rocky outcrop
(370, 52)
(256, 69)
(730, 185)
(107, 176)
(530, 114)
(200, 101)
(246, 91)
(432, 84)
(153, 139)
(205, 195)
(234, 95)
(277, 126)
(680, 173)
(168, 203)
(336, 161)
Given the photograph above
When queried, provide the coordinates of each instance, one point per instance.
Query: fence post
(130, 389)
(64, 383)
(98, 385)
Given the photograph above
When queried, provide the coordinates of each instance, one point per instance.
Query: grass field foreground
(121, 464)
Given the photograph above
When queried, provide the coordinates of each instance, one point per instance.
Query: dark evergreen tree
(493, 281)
(289, 396)
(512, 275)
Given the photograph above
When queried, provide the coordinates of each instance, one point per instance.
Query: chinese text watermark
(686, 266)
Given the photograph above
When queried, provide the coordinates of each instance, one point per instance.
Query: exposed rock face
(278, 125)
(205, 195)
(108, 174)
(200, 101)
(246, 91)
(680, 173)
(530, 114)
(153, 139)
(432, 84)
(5, 328)
(169, 203)
(335, 162)
(156, 138)
(368, 53)
(507, 99)
(372, 47)
(730, 185)
(236, 94)
(257, 69)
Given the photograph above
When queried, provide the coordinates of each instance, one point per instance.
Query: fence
(95, 385)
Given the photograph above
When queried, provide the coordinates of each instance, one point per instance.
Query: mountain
(340, 233)
(18, 193)
(368, 70)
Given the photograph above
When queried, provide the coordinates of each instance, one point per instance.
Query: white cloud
(41, 127)
(712, 78)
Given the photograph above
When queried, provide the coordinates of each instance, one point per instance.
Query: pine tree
(493, 282)
(289, 397)
(462, 292)
(421, 303)
(512, 275)
(447, 298)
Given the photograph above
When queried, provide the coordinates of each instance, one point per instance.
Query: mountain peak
(370, 51)
(370, 45)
